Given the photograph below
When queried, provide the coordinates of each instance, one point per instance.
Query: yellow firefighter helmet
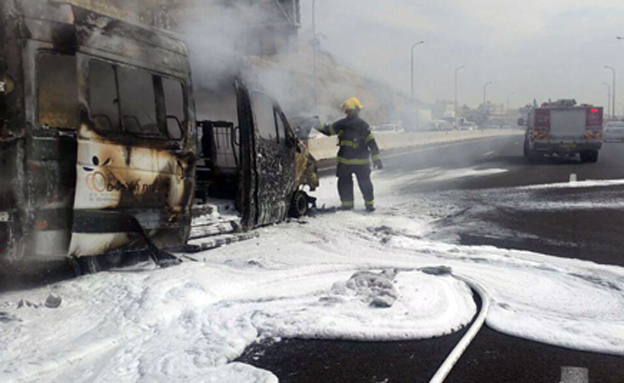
(351, 104)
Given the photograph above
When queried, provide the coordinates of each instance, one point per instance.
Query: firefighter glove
(314, 122)
(378, 164)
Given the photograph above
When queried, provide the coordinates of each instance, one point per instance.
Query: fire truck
(565, 129)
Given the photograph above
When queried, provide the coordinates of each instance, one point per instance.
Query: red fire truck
(564, 128)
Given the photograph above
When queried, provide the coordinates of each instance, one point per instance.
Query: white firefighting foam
(347, 275)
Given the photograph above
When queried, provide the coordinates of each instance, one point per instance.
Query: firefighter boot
(347, 205)
(370, 206)
(345, 190)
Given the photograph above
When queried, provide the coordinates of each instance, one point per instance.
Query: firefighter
(357, 144)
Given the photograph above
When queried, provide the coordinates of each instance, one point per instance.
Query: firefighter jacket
(355, 140)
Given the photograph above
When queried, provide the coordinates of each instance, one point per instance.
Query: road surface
(497, 210)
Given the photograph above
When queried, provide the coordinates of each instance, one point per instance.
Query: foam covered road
(485, 193)
(350, 297)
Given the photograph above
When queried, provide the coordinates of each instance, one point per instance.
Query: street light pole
(456, 111)
(613, 91)
(314, 54)
(412, 72)
(485, 94)
(613, 94)
(608, 97)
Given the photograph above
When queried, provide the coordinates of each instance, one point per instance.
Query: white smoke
(221, 38)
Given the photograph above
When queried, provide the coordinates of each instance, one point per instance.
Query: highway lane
(492, 209)
(584, 223)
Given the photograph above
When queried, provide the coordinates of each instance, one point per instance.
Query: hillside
(289, 77)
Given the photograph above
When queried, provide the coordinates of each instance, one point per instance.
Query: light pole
(456, 71)
(485, 94)
(412, 72)
(613, 94)
(508, 100)
(613, 91)
(314, 53)
(608, 97)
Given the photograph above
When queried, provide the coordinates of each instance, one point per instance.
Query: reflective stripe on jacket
(355, 140)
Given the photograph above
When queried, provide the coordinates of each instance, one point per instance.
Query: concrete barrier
(323, 148)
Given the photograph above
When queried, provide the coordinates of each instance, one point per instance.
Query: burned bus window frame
(114, 129)
(167, 114)
(258, 108)
(121, 130)
(153, 128)
(41, 55)
(284, 133)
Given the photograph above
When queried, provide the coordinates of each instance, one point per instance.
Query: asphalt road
(585, 223)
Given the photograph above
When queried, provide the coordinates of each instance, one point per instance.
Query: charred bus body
(99, 143)
(249, 153)
(96, 134)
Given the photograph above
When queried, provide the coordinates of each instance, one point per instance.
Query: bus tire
(298, 205)
(85, 265)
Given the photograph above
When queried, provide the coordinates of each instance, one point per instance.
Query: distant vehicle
(438, 126)
(387, 128)
(467, 125)
(564, 129)
(614, 131)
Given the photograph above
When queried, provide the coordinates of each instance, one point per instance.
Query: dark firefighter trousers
(345, 184)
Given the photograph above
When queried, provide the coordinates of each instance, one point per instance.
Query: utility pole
(412, 72)
(456, 109)
(608, 98)
(485, 94)
(613, 91)
(314, 54)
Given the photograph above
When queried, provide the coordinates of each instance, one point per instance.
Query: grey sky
(536, 49)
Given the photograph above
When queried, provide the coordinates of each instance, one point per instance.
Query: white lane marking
(516, 143)
(574, 375)
(576, 185)
(573, 177)
(488, 154)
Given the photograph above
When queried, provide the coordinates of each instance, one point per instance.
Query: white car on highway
(614, 131)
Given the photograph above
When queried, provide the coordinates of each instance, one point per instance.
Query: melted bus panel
(98, 140)
(250, 154)
(36, 143)
(95, 135)
(135, 158)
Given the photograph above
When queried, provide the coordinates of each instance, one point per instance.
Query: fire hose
(465, 341)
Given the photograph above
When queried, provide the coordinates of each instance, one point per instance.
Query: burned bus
(249, 153)
(97, 132)
(99, 143)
